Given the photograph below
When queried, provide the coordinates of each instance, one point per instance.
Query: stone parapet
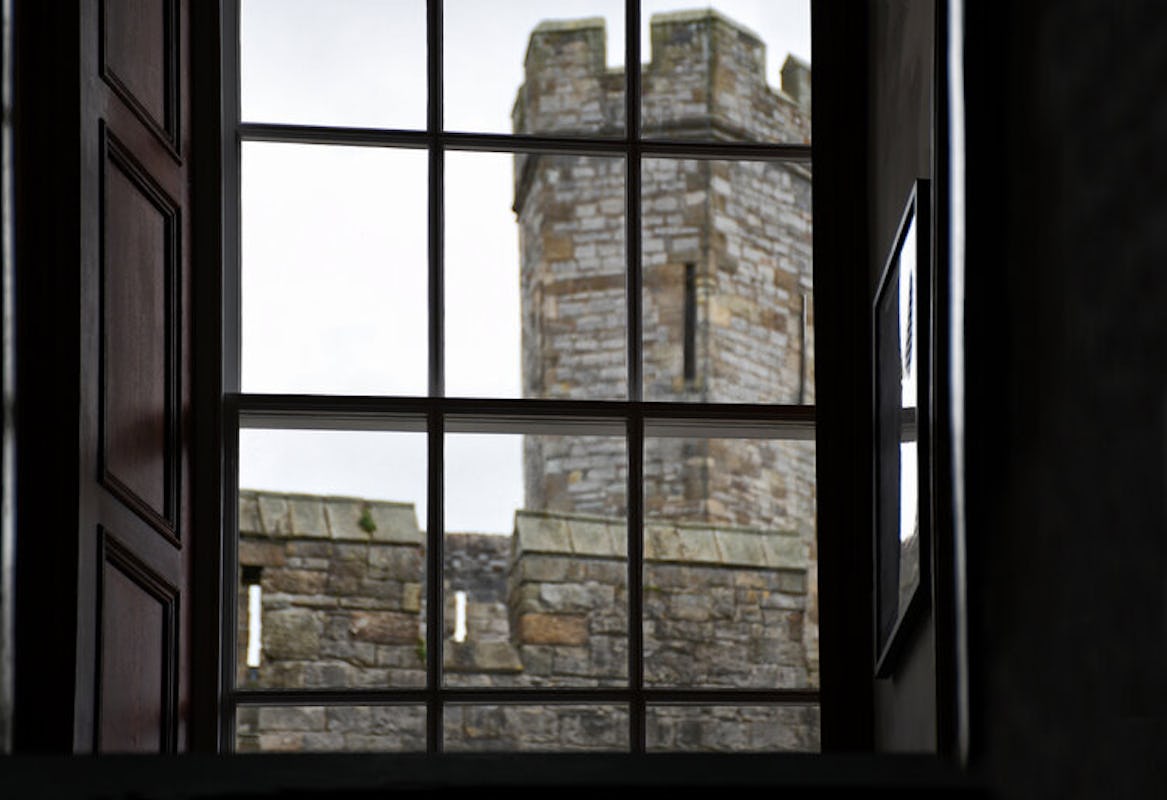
(304, 516)
(550, 532)
(724, 607)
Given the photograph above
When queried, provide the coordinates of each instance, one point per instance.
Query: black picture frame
(902, 328)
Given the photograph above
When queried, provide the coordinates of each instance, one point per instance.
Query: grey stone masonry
(547, 606)
(728, 297)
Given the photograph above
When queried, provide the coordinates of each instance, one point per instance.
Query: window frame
(437, 414)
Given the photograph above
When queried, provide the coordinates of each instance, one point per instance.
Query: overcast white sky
(334, 238)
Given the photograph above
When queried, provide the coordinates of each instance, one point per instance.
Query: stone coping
(549, 532)
(352, 519)
(666, 18)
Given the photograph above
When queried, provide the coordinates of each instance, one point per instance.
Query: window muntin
(438, 413)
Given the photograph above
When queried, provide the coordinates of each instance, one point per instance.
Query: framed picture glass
(902, 401)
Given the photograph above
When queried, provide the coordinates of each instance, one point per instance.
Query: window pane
(545, 604)
(330, 729)
(540, 311)
(736, 729)
(728, 282)
(553, 728)
(340, 571)
(535, 66)
(730, 594)
(334, 270)
(738, 71)
(483, 317)
(547, 318)
(345, 62)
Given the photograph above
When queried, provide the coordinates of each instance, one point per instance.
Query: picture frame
(902, 327)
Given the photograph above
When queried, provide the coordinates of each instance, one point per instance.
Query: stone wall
(342, 606)
(730, 241)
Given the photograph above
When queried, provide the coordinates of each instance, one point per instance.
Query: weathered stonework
(727, 303)
(729, 542)
(726, 252)
(724, 607)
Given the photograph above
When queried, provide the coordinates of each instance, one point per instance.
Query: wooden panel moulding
(136, 677)
(140, 333)
(138, 51)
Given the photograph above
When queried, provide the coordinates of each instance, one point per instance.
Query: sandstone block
(308, 517)
(742, 548)
(292, 633)
(398, 562)
(394, 522)
(488, 657)
(274, 514)
(297, 581)
(291, 718)
(344, 519)
(560, 629)
(591, 538)
(253, 553)
(535, 532)
(249, 521)
(411, 597)
(383, 627)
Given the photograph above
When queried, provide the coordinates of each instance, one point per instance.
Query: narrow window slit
(690, 344)
(251, 579)
(459, 616)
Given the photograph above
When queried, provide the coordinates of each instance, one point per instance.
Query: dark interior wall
(1067, 396)
(901, 79)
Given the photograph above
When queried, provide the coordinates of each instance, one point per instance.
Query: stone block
(395, 522)
(383, 627)
(568, 597)
(482, 657)
(296, 581)
(402, 656)
(662, 543)
(275, 515)
(399, 562)
(281, 742)
(792, 582)
(411, 597)
(308, 517)
(784, 550)
(613, 573)
(292, 633)
(591, 537)
(249, 521)
(559, 629)
(258, 553)
(698, 545)
(541, 533)
(291, 717)
(344, 519)
(741, 548)
(551, 569)
(322, 742)
(573, 661)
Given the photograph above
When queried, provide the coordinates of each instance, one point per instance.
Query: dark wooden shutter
(104, 539)
(135, 404)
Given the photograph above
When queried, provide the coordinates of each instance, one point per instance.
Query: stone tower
(727, 304)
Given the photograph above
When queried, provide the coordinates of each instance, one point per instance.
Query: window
(558, 496)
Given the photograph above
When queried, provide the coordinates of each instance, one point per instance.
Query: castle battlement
(706, 79)
(343, 594)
